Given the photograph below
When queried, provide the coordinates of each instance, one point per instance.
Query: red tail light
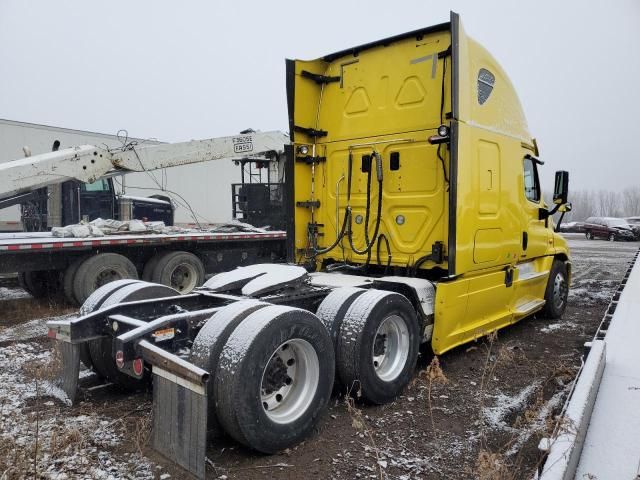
(119, 359)
(138, 367)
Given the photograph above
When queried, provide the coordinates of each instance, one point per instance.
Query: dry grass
(361, 426)
(20, 310)
(434, 374)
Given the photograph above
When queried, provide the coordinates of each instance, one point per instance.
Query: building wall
(205, 187)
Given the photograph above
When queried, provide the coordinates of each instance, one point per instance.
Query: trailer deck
(39, 241)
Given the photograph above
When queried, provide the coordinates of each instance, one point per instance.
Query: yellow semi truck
(415, 216)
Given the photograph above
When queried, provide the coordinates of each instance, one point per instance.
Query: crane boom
(87, 163)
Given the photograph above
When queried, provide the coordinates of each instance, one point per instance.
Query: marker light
(443, 131)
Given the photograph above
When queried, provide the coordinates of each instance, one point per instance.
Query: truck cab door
(535, 231)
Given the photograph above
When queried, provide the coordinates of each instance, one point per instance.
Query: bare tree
(631, 201)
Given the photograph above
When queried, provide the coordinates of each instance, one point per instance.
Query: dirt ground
(478, 411)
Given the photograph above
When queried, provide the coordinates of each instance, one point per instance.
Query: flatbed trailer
(75, 267)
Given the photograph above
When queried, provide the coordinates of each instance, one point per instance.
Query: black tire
(589, 235)
(356, 349)
(612, 237)
(99, 270)
(208, 344)
(147, 271)
(244, 362)
(101, 350)
(557, 291)
(67, 281)
(180, 270)
(91, 304)
(333, 308)
(44, 284)
(22, 281)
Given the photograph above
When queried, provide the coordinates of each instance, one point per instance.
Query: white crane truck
(75, 267)
(415, 216)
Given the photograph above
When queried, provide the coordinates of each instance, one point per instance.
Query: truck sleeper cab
(415, 207)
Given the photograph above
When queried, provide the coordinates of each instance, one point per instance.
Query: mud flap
(180, 420)
(69, 370)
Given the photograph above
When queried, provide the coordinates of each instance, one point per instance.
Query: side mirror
(561, 187)
(566, 207)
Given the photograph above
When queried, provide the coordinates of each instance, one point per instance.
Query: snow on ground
(25, 331)
(34, 411)
(531, 415)
(12, 293)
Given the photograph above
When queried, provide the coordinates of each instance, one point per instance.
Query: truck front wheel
(378, 345)
(557, 290)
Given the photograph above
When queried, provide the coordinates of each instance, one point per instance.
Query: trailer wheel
(99, 270)
(206, 348)
(67, 280)
(101, 350)
(333, 308)
(41, 283)
(557, 291)
(147, 271)
(378, 345)
(274, 378)
(180, 270)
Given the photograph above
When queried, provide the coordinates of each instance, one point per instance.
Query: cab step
(527, 308)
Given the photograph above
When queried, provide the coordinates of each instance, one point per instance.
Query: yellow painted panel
(488, 178)
(487, 245)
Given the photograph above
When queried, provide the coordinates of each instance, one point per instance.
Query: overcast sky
(196, 69)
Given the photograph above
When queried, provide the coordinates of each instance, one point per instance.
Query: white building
(206, 187)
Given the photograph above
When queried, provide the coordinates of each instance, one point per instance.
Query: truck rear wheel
(93, 303)
(378, 345)
(333, 308)
(180, 270)
(557, 291)
(274, 378)
(99, 270)
(101, 350)
(208, 344)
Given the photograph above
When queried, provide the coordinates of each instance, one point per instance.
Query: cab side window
(531, 182)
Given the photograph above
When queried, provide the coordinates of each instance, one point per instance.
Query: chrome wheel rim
(390, 348)
(560, 290)
(184, 278)
(289, 381)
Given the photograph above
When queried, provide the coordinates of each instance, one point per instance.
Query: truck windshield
(98, 186)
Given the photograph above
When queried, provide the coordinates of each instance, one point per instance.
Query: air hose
(347, 224)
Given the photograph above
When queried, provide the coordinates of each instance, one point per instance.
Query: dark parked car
(635, 224)
(608, 227)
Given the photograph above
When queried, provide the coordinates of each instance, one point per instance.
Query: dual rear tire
(272, 373)
(377, 341)
(182, 271)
